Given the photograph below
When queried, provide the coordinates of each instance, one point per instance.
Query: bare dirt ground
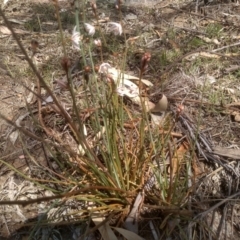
(184, 63)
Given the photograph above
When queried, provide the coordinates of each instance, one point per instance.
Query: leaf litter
(202, 122)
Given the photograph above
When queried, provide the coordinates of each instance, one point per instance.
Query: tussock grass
(102, 151)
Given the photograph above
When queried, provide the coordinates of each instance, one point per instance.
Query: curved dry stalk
(64, 195)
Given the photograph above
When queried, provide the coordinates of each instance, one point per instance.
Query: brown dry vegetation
(194, 62)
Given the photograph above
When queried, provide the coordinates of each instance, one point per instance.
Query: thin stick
(216, 205)
(228, 46)
(64, 195)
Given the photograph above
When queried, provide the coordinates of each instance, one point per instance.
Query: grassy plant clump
(108, 166)
(104, 151)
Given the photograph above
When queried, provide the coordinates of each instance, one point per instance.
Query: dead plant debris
(81, 147)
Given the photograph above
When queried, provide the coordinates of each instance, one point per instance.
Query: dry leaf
(209, 40)
(81, 147)
(127, 234)
(201, 54)
(30, 95)
(105, 230)
(13, 136)
(226, 152)
(5, 30)
(131, 223)
(178, 157)
(117, 75)
(196, 168)
(132, 40)
(5, 2)
(13, 20)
